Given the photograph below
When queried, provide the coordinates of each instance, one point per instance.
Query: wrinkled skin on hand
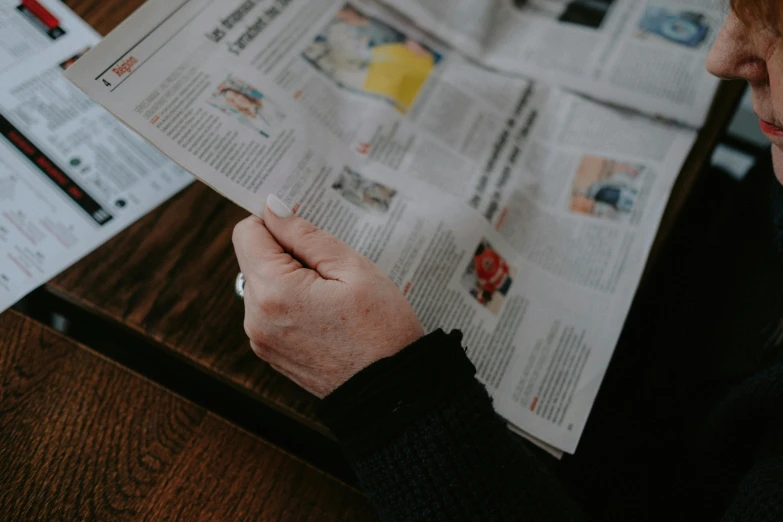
(316, 310)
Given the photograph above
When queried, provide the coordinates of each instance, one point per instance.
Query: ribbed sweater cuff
(387, 396)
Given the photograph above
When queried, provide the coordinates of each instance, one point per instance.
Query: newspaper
(519, 213)
(644, 54)
(71, 175)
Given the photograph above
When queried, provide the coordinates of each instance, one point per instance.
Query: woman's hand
(316, 310)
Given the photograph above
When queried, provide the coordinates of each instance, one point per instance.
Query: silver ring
(239, 286)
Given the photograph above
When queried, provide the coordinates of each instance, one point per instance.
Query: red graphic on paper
(40, 12)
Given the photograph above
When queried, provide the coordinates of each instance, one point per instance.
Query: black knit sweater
(426, 444)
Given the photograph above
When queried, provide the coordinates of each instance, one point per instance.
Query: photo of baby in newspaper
(369, 57)
(609, 189)
(488, 277)
(364, 193)
(248, 105)
(680, 28)
(587, 13)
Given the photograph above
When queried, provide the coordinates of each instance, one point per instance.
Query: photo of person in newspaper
(367, 56)
(587, 13)
(608, 189)
(488, 277)
(248, 105)
(681, 28)
(364, 193)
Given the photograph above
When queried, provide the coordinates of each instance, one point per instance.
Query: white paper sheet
(71, 175)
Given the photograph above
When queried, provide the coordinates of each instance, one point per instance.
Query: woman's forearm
(426, 444)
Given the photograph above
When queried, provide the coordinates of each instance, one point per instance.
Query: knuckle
(318, 240)
(308, 233)
(257, 350)
(302, 224)
(359, 264)
(253, 328)
(236, 234)
(273, 303)
(242, 228)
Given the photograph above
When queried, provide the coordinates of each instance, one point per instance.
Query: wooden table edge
(15, 315)
(85, 305)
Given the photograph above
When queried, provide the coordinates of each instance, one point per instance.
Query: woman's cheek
(775, 72)
(777, 162)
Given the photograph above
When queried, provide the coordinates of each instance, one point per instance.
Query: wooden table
(170, 278)
(84, 439)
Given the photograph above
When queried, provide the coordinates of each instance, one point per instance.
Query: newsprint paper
(71, 175)
(519, 213)
(645, 54)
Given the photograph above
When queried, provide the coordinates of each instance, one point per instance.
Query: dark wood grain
(104, 15)
(83, 439)
(169, 277)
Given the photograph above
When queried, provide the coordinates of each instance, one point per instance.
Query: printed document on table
(647, 55)
(71, 175)
(519, 213)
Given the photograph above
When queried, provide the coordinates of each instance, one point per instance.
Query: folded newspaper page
(645, 54)
(518, 213)
(71, 175)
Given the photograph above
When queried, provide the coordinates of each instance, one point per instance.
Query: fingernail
(277, 207)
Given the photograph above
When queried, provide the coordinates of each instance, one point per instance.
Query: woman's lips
(769, 129)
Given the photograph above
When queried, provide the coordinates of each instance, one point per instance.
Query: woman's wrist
(385, 397)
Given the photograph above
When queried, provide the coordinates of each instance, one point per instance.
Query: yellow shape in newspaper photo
(398, 72)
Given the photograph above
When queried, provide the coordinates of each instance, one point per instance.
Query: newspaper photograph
(517, 212)
(647, 55)
(71, 175)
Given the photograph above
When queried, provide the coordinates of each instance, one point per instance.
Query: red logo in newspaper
(41, 18)
(40, 12)
(125, 67)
